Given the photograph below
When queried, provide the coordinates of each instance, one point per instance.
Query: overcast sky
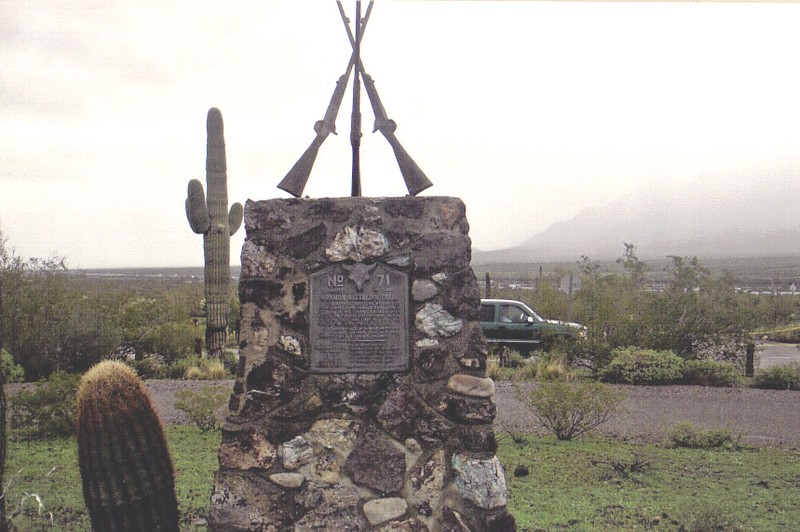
(528, 111)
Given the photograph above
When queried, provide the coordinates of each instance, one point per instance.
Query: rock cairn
(410, 450)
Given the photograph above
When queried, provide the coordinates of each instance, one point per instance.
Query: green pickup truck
(513, 324)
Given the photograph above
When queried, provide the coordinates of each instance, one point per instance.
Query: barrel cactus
(213, 220)
(128, 480)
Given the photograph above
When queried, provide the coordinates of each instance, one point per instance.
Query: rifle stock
(415, 178)
(296, 179)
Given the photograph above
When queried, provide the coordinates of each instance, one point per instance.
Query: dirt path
(762, 417)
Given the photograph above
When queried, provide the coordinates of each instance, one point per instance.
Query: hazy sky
(528, 111)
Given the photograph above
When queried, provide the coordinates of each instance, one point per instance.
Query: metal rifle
(295, 180)
(355, 120)
(415, 178)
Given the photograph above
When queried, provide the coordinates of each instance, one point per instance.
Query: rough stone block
(375, 462)
(469, 410)
(379, 511)
(359, 443)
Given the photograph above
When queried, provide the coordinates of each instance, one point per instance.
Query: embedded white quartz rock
(433, 320)
(481, 481)
(357, 244)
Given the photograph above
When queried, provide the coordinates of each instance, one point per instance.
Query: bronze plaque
(359, 319)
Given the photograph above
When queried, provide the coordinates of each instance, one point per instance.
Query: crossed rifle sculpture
(297, 177)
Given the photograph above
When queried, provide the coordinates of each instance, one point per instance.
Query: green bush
(190, 367)
(11, 372)
(525, 373)
(511, 358)
(231, 360)
(151, 368)
(172, 340)
(694, 437)
(48, 409)
(785, 377)
(179, 368)
(570, 409)
(553, 366)
(204, 407)
(497, 373)
(712, 373)
(632, 365)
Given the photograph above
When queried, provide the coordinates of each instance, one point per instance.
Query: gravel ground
(762, 417)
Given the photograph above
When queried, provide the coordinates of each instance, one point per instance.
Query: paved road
(774, 354)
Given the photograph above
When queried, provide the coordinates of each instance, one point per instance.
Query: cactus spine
(128, 481)
(213, 220)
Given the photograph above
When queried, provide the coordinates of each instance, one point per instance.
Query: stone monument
(361, 400)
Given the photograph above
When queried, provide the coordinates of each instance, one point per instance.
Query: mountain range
(706, 221)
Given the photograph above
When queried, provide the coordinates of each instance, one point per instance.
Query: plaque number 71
(383, 279)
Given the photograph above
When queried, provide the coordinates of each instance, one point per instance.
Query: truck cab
(514, 324)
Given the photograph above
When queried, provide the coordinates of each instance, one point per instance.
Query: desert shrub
(206, 369)
(506, 357)
(710, 518)
(172, 340)
(230, 359)
(204, 407)
(48, 409)
(712, 373)
(193, 373)
(193, 368)
(504, 374)
(694, 437)
(150, 368)
(179, 367)
(570, 409)
(215, 370)
(553, 366)
(525, 373)
(512, 359)
(11, 372)
(497, 373)
(784, 377)
(626, 468)
(632, 365)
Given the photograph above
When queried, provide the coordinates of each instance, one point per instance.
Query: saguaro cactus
(212, 220)
(128, 480)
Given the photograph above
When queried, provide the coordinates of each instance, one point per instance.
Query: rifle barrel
(296, 178)
(415, 179)
(355, 123)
